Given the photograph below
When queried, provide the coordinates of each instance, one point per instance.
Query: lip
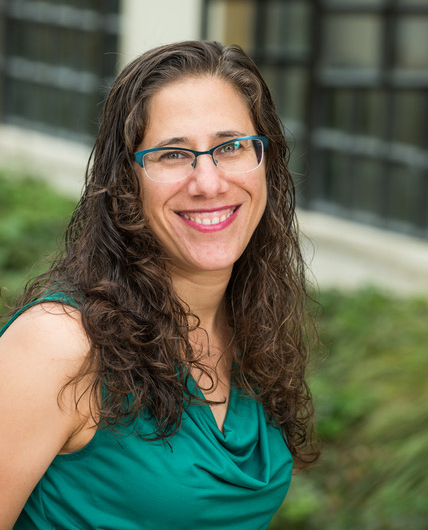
(230, 212)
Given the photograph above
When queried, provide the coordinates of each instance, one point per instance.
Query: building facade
(350, 78)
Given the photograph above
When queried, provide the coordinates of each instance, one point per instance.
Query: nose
(207, 179)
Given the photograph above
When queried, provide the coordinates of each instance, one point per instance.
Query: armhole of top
(60, 298)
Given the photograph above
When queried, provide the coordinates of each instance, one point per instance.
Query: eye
(231, 148)
(173, 157)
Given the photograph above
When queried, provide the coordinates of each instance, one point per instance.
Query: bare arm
(39, 353)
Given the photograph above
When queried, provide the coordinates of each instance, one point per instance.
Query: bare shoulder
(39, 353)
(46, 326)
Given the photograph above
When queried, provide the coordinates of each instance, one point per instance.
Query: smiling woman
(181, 213)
(164, 349)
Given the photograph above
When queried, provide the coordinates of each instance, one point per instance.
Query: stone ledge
(349, 255)
(60, 162)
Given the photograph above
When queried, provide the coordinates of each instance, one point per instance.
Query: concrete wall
(56, 160)
(348, 256)
(147, 23)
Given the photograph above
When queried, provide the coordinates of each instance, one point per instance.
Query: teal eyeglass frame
(138, 156)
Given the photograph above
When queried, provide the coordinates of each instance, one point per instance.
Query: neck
(204, 293)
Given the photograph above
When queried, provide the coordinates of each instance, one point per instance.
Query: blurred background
(350, 80)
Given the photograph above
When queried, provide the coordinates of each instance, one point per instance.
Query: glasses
(170, 164)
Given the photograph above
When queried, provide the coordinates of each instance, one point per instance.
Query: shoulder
(40, 352)
(48, 329)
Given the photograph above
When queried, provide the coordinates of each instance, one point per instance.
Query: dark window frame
(57, 92)
(391, 162)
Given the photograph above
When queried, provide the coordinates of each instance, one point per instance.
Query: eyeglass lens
(238, 156)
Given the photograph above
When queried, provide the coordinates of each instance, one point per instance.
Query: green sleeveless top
(203, 479)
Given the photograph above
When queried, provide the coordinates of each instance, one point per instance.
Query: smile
(209, 218)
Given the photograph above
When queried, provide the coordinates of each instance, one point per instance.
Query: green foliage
(32, 218)
(372, 407)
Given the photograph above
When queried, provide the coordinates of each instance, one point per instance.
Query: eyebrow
(180, 140)
(230, 134)
(176, 140)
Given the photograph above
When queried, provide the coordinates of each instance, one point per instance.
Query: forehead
(210, 84)
(196, 106)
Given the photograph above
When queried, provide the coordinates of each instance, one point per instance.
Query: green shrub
(32, 218)
(372, 408)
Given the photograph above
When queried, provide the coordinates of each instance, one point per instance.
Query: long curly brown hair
(112, 264)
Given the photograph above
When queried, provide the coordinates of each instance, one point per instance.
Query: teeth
(206, 221)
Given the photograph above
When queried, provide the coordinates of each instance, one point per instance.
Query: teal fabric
(201, 479)
(49, 297)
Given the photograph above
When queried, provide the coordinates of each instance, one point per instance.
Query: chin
(212, 265)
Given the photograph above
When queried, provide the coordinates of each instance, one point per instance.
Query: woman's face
(205, 221)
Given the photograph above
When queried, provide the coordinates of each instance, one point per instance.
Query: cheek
(151, 196)
(149, 202)
(263, 191)
(156, 198)
(264, 188)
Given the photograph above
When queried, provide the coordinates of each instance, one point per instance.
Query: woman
(154, 378)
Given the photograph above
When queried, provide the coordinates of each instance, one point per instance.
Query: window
(58, 59)
(350, 78)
